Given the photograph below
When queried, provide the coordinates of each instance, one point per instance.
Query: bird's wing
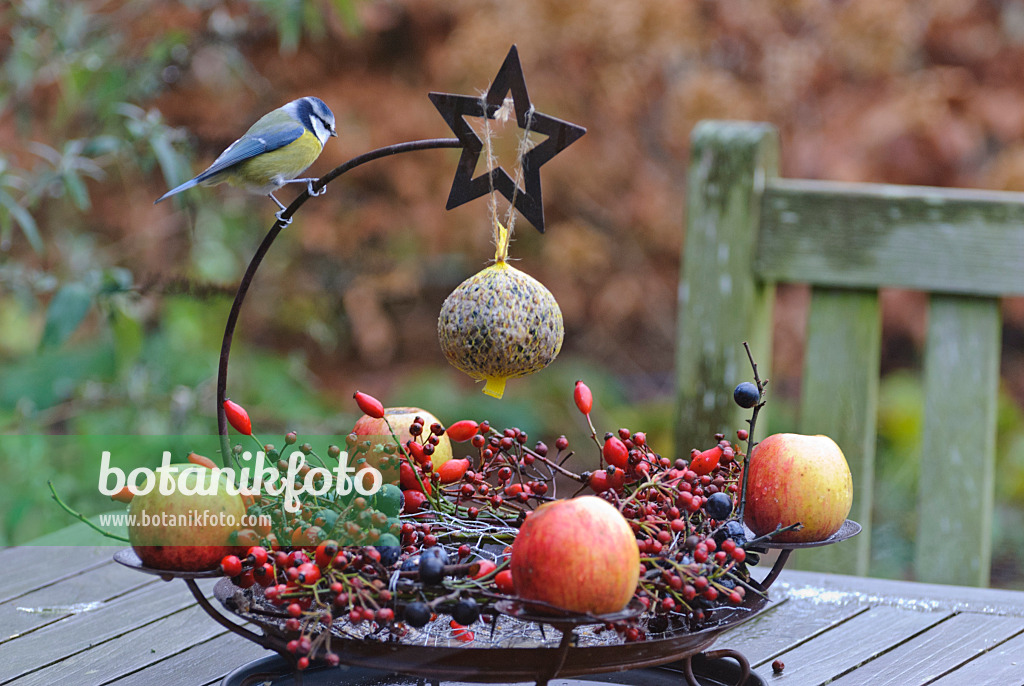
(249, 145)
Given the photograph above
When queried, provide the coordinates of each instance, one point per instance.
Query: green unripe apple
(185, 531)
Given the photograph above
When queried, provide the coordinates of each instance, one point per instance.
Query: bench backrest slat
(869, 235)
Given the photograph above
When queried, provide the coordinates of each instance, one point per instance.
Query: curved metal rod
(268, 240)
(691, 678)
(563, 653)
(780, 562)
(735, 655)
(224, 621)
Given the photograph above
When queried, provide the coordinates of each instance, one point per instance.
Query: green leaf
(128, 337)
(116, 280)
(66, 311)
(24, 219)
(102, 145)
(77, 190)
(172, 164)
(28, 226)
(53, 375)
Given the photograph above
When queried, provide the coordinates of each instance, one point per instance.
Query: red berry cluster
(407, 570)
(306, 589)
(692, 548)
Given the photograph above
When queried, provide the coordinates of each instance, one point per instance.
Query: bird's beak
(334, 133)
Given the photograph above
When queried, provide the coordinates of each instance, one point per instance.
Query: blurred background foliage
(111, 309)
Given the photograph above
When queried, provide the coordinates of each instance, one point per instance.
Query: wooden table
(72, 616)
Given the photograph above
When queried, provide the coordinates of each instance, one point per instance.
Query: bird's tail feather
(183, 187)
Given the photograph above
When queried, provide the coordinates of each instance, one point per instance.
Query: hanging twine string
(503, 230)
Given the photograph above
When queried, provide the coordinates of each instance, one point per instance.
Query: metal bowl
(513, 653)
(517, 648)
(849, 529)
(129, 558)
(277, 671)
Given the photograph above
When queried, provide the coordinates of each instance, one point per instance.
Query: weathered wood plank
(761, 639)
(77, 633)
(80, 594)
(854, 642)
(37, 567)
(869, 235)
(721, 304)
(136, 650)
(840, 399)
(839, 588)
(79, 535)
(205, 663)
(955, 492)
(1002, 665)
(935, 652)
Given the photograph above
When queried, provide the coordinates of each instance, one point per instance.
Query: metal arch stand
(687, 662)
(562, 651)
(567, 638)
(268, 240)
(780, 562)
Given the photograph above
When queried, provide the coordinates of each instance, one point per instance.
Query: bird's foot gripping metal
(312, 191)
(284, 221)
(281, 219)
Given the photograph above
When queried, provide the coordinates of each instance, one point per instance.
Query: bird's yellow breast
(267, 172)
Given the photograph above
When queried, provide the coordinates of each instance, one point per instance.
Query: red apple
(401, 418)
(578, 554)
(185, 532)
(796, 478)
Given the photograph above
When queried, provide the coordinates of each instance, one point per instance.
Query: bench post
(721, 303)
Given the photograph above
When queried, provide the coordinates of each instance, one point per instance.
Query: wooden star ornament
(559, 135)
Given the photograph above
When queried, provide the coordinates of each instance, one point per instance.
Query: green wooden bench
(747, 229)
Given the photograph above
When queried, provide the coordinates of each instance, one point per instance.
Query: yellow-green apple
(578, 554)
(797, 478)
(184, 530)
(401, 418)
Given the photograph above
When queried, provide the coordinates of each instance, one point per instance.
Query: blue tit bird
(273, 152)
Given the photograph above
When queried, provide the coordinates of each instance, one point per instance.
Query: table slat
(205, 663)
(938, 650)
(52, 603)
(853, 642)
(92, 629)
(40, 566)
(136, 650)
(761, 640)
(1004, 665)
